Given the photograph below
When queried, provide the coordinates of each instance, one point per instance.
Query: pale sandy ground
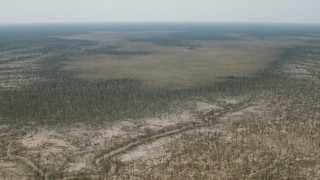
(257, 108)
(160, 151)
(150, 154)
(170, 120)
(13, 170)
(204, 107)
(73, 148)
(32, 141)
(231, 101)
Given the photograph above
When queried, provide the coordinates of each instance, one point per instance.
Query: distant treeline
(61, 97)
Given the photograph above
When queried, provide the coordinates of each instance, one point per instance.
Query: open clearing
(174, 66)
(232, 106)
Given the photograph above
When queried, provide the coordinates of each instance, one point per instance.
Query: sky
(64, 11)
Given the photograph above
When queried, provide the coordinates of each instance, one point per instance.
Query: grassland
(190, 64)
(255, 116)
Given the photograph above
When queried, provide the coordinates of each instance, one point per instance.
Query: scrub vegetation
(159, 101)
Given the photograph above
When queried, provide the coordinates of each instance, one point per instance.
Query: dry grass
(171, 66)
(58, 148)
(272, 134)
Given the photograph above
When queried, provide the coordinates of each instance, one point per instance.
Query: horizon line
(160, 22)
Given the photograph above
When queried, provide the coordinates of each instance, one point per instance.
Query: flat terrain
(227, 106)
(193, 64)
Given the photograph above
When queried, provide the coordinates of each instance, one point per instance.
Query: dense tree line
(62, 97)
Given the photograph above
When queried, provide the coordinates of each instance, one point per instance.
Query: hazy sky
(49, 11)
